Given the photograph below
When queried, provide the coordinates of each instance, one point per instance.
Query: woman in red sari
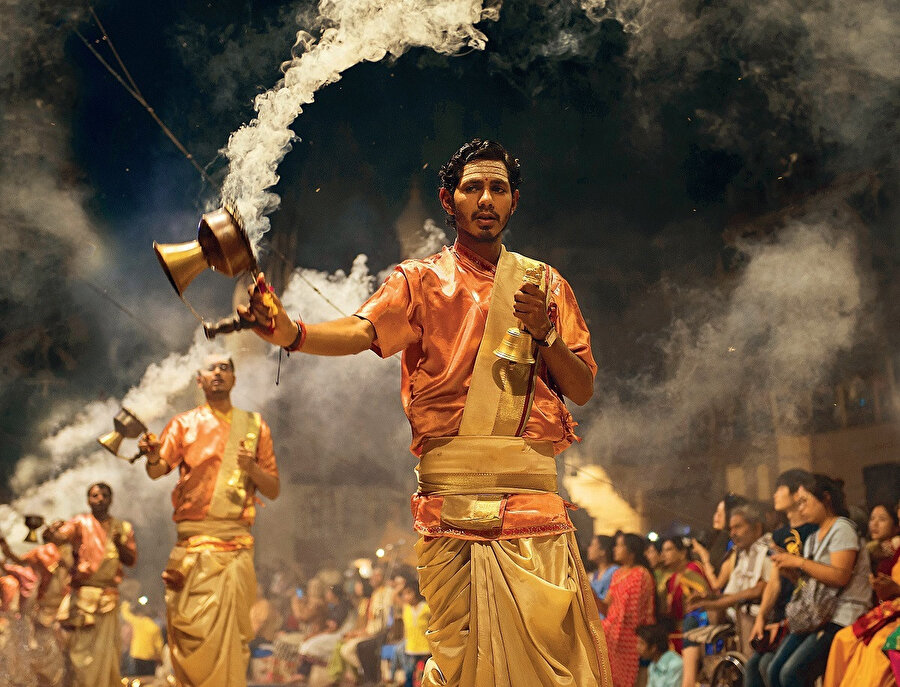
(628, 603)
(686, 582)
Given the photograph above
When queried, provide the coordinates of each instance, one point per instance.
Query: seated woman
(685, 583)
(857, 656)
(832, 558)
(884, 534)
(717, 561)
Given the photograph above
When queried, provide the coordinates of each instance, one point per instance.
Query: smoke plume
(795, 306)
(351, 32)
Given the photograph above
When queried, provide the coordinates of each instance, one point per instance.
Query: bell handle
(227, 325)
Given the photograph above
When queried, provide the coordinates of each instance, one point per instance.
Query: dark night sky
(638, 149)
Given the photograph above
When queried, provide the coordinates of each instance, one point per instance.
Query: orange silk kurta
(436, 316)
(88, 539)
(44, 560)
(194, 441)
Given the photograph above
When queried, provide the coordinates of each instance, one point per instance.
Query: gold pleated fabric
(510, 613)
(852, 662)
(95, 651)
(209, 617)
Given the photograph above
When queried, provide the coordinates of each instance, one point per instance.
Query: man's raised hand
(531, 310)
(266, 310)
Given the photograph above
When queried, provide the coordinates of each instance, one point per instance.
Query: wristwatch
(549, 339)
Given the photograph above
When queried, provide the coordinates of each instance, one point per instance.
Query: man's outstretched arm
(344, 336)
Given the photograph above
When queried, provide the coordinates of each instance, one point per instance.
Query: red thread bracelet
(298, 341)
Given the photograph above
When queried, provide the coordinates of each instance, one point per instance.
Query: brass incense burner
(126, 426)
(33, 523)
(222, 245)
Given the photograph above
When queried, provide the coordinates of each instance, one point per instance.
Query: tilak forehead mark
(481, 168)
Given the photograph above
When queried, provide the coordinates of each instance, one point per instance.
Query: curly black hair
(477, 149)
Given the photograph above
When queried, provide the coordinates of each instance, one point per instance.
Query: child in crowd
(416, 616)
(665, 667)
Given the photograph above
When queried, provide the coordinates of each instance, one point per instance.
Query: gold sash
(474, 475)
(500, 394)
(486, 465)
(230, 495)
(108, 569)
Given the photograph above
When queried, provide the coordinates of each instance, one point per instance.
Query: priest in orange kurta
(497, 558)
(101, 545)
(224, 455)
(43, 576)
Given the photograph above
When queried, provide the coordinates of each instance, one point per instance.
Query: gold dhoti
(210, 586)
(95, 641)
(505, 612)
(509, 613)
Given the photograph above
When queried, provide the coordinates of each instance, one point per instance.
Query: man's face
(216, 377)
(743, 534)
(99, 500)
(483, 201)
(377, 578)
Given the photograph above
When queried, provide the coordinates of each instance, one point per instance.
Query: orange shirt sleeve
(390, 310)
(46, 555)
(265, 452)
(70, 531)
(568, 320)
(171, 443)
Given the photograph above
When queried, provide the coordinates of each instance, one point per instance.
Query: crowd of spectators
(340, 628)
(799, 590)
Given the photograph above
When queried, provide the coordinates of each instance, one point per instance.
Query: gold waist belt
(216, 535)
(486, 465)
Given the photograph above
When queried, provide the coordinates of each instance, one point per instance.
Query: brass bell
(238, 478)
(515, 346)
(222, 245)
(127, 426)
(33, 523)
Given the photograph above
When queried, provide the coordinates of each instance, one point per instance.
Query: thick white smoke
(317, 405)
(795, 307)
(353, 31)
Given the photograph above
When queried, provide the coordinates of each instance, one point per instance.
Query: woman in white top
(833, 557)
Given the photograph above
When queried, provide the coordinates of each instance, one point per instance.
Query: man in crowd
(752, 569)
(146, 637)
(497, 548)
(224, 455)
(362, 649)
(101, 545)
